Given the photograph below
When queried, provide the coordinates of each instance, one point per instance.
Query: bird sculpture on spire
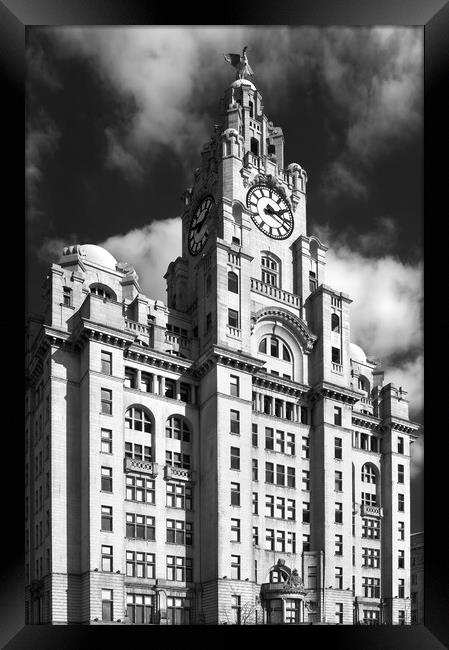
(240, 63)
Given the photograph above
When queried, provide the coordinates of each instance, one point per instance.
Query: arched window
(271, 270)
(335, 323)
(251, 109)
(138, 420)
(255, 146)
(177, 428)
(233, 282)
(275, 347)
(368, 473)
(363, 383)
(102, 291)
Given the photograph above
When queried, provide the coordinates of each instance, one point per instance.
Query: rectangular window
(371, 557)
(178, 611)
(106, 479)
(280, 475)
(371, 587)
(401, 617)
(235, 494)
(369, 499)
(106, 362)
(401, 530)
(254, 435)
(106, 558)
(235, 458)
(401, 588)
(175, 459)
(339, 513)
(107, 605)
(291, 509)
(280, 442)
(400, 445)
(280, 507)
(255, 470)
(338, 448)
(401, 560)
(338, 544)
(401, 503)
(305, 448)
(235, 530)
(235, 422)
(291, 444)
(179, 569)
(338, 481)
(234, 385)
(140, 565)
(233, 318)
(336, 355)
(304, 412)
(269, 538)
(291, 542)
(140, 608)
(337, 415)
(339, 613)
(269, 438)
(400, 473)
(255, 536)
(370, 528)
(106, 401)
(140, 527)
(291, 477)
(67, 296)
(179, 532)
(269, 505)
(106, 441)
(255, 503)
(106, 518)
(179, 496)
(208, 322)
(306, 542)
(280, 541)
(269, 472)
(140, 489)
(306, 512)
(235, 567)
(236, 609)
(312, 577)
(305, 479)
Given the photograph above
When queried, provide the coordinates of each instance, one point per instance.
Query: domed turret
(98, 255)
(356, 353)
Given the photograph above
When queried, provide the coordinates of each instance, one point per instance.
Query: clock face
(199, 229)
(270, 212)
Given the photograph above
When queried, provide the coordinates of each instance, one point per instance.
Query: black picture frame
(433, 15)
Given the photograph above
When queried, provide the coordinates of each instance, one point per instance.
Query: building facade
(417, 577)
(230, 457)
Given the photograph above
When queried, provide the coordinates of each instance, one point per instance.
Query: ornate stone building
(228, 457)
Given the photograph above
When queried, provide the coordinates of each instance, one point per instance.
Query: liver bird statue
(240, 63)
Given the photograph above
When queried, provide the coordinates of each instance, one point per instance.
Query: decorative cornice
(156, 359)
(291, 320)
(217, 355)
(404, 426)
(271, 382)
(360, 420)
(332, 391)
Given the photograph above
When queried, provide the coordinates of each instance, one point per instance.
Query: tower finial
(240, 63)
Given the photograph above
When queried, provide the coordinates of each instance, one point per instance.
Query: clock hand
(271, 213)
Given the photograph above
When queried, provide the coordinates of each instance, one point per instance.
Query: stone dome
(356, 353)
(243, 82)
(98, 255)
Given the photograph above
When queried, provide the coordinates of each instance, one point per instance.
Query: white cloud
(370, 78)
(149, 250)
(386, 313)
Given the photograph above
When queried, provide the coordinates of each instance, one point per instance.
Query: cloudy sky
(116, 118)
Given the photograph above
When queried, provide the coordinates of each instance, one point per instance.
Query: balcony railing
(371, 511)
(179, 473)
(275, 293)
(236, 332)
(367, 401)
(142, 466)
(138, 328)
(337, 367)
